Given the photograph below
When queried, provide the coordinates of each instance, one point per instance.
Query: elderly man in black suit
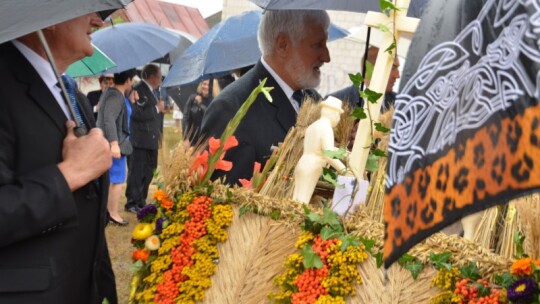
(53, 186)
(293, 46)
(145, 136)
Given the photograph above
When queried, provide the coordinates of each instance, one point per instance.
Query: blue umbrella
(134, 44)
(416, 7)
(229, 45)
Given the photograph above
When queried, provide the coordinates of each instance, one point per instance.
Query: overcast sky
(206, 7)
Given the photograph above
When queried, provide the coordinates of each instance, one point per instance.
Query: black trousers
(141, 166)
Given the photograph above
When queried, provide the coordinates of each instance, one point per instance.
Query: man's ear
(283, 44)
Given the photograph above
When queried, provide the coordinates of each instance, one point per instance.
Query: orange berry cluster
(194, 228)
(309, 286)
(309, 282)
(469, 293)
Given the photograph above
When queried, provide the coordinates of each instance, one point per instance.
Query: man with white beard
(293, 47)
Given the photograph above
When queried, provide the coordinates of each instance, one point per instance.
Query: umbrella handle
(79, 130)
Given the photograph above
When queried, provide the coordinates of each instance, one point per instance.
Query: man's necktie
(71, 94)
(299, 97)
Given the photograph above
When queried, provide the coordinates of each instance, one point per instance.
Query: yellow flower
(152, 243)
(142, 231)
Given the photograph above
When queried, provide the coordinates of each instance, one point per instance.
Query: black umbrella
(20, 17)
(466, 130)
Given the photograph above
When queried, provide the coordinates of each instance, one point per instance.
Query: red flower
(140, 254)
(245, 183)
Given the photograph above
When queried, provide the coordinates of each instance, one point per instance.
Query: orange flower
(140, 254)
(159, 195)
(536, 263)
(214, 144)
(245, 183)
(167, 203)
(521, 267)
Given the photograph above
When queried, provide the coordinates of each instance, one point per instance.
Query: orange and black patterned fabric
(466, 130)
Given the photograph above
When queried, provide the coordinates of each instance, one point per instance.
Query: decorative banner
(466, 130)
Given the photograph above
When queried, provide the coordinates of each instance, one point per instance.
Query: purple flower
(145, 211)
(159, 225)
(522, 289)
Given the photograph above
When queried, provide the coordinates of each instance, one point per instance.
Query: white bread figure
(319, 137)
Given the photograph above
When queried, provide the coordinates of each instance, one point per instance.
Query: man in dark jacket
(145, 136)
(293, 46)
(53, 185)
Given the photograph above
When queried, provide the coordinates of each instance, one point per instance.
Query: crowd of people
(58, 191)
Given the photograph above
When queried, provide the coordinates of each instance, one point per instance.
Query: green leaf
(368, 243)
(372, 96)
(311, 259)
(230, 195)
(379, 259)
(415, 268)
(314, 217)
(348, 240)
(482, 290)
(372, 164)
(335, 154)
(383, 28)
(275, 214)
(379, 152)
(330, 178)
(470, 271)
(356, 79)
(405, 259)
(328, 233)
(381, 128)
(359, 113)
(330, 217)
(519, 238)
(369, 69)
(505, 279)
(441, 260)
(306, 209)
(387, 5)
(245, 209)
(391, 48)
(105, 301)
(137, 266)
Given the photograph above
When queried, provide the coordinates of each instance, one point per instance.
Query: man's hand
(161, 106)
(84, 158)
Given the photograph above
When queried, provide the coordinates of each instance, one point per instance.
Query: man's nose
(326, 54)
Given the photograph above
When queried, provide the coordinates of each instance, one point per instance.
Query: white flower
(152, 243)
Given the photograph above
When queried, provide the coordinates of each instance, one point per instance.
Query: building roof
(165, 14)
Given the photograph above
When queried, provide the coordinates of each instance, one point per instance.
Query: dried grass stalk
(528, 221)
(400, 287)
(485, 234)
(505, 246)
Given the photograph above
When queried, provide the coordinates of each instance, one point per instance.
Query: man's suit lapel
(36, 88)
(285, 113)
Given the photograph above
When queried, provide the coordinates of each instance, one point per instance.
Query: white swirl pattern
(464, 82)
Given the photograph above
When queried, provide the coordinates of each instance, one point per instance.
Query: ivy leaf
(329, 176)
(405, 259)
(335, 154)
(519, 238)
(415, 268)
(275, 214)
(331, 218)
(372, 164)
(372, 96)
(379, 259)
(441, 260)
(314, 217)
(381, 128)
(245, 209)
(356, 79)
(505, 280)
(369, 69)
(482, 290)
(387, 5)
(379, 152)
(311, 259)
(391, 48)
(368, 244)
(470, 271)
(348, 240)
(328, 233)
(359, 113)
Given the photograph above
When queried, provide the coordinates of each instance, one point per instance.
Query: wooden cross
(379, 79)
